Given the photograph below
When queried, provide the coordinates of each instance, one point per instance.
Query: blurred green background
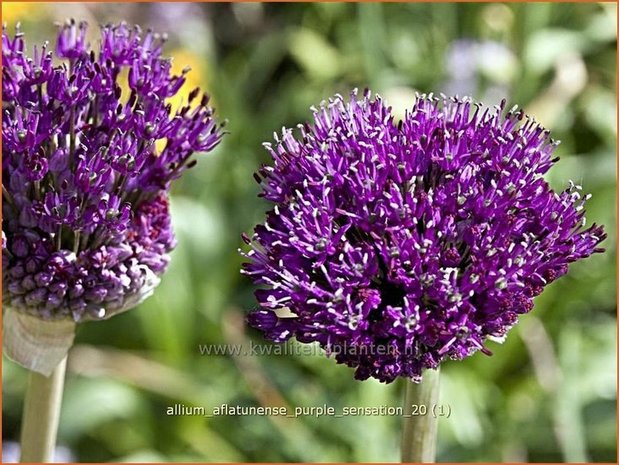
(548, 393)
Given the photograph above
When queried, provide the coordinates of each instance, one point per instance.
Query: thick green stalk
(41, 415)
(420, 424)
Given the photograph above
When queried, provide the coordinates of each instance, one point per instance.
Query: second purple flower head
(397, 244)
(90, 147)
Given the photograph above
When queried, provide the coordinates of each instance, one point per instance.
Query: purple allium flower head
(398, 244)
(87, 167)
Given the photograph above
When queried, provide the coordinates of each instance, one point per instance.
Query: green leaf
(315, 55)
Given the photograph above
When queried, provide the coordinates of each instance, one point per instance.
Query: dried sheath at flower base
(36, 344)
(398, 244)
(90, 148)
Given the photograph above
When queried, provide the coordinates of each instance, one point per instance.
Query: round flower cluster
(396, 244)
(89, 149)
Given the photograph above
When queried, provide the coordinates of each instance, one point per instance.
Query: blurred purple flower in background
(468, 61)
(11, 451)
(398, 244)
(90, 148)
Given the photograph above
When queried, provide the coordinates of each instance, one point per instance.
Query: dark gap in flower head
(464, 250)
(355, 236)
(67, 238)
(391, 294)
(319, 278)
(437, 174)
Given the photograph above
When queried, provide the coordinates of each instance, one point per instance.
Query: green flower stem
(41, 415)
(420, 423)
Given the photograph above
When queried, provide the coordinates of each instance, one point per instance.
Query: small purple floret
(398, 244)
